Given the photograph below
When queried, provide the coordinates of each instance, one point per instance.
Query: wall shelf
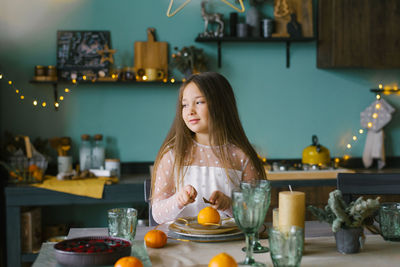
(56, 83)
(220, 40)
(385, 91)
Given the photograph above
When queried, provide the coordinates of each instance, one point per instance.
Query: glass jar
(85, 153)
(51, 71)
(98, 152)
(40, 70)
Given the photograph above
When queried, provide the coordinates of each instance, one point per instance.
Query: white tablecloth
(319, 251)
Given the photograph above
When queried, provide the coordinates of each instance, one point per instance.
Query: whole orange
(222, 260)
(155, 239)
(128, 261)
(33, 168)
(208, 215)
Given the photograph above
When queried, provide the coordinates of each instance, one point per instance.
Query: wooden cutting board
(151, 54)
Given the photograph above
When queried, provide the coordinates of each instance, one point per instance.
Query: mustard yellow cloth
(91, 187)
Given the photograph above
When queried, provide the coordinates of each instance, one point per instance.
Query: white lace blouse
(205, 174)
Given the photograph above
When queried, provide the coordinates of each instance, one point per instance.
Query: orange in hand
(222, 260)
(128, 261)
(208, 215)
(155, 239)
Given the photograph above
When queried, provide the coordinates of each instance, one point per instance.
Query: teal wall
(280, 107)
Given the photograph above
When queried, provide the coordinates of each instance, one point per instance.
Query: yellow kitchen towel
(91, 187)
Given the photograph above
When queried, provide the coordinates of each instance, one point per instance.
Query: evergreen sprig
(339, 214)
(189, 60)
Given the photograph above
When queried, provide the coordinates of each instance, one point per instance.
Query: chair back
(368, 184)
(147, 195)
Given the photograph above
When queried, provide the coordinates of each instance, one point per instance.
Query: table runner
(90, 187)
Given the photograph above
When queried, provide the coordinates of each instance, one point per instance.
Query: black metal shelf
(56, 83)
(105, 82)
(287, 40)
(385, 91)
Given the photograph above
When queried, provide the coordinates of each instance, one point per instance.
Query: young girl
(205, 154)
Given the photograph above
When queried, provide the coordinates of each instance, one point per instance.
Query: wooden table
(320, 250)
(128, 190)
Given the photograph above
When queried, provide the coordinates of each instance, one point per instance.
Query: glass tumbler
(389, 221)
(122, 223)
(286, 247)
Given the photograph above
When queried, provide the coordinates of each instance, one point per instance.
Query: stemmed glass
(249, 213)
(266, 186)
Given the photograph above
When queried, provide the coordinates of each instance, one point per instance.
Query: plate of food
(178, 234)
(91, 250)
(191, 226)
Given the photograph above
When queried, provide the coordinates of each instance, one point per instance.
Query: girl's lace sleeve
(249, 171)
(164, 203)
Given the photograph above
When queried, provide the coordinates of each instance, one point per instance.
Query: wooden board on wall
(151, 54)
(358, 34)
(303, 11)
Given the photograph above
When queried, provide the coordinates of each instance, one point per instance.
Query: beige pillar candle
(292, 206)
(275, 217)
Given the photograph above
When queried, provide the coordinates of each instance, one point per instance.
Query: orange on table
(33, 167)
(222, 260)
(128, 261)
(155, 239)
(208, 215)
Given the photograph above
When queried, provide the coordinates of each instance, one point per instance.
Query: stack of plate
(188, 229)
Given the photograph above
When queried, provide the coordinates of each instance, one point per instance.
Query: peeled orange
(155, 239)
(208, 215)
(222, 260)
(128, 261)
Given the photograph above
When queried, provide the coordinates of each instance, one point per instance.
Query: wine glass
(249, 213)
(266, 186)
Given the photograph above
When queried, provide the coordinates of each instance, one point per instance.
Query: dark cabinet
(358, 33)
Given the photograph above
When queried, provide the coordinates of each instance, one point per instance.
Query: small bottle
(253, 21)
(85, 153)
(98, 152)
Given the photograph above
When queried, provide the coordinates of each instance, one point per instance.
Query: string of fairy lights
(387, 90)
(43, 103)
(355, 137)
(36, 102)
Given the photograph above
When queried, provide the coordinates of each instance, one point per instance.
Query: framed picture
(77, 53)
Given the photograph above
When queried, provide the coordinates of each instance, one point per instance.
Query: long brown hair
(224, 127)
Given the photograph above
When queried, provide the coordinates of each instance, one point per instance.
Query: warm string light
(374, 115)
(349, 145)
(35, 102)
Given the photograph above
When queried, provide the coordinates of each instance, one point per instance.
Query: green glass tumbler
(122, 223)
(266, 186)
(249, 214)
(389, 221)
(286, 247)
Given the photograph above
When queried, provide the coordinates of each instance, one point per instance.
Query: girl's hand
(186, 196)
(220, 201)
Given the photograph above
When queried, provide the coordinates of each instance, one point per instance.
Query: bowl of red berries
(91, 250)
